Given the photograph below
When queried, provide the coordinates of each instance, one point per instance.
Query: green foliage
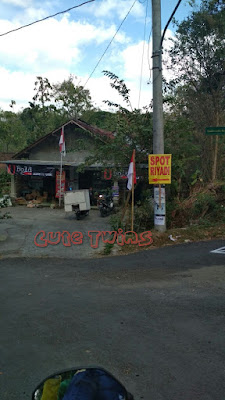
(50, 107)
(108, 249)
(205, 202)
(132, 130)
(4, 183)
(39, 121)
(101, 119)
(144, 216)
(171, 207)
(195, 94)
(43, 91)
(116, 223)
(12, 132)
(120, 86)
(71, 98)
(5, 215)
(196, 177)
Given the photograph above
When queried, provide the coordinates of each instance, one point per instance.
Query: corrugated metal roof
(81, 124)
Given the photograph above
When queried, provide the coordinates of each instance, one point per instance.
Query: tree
(41, 116)
(197, 61)
(132, 129)
(52, 105)
(12, 132)
(71, 98)
(43, 90)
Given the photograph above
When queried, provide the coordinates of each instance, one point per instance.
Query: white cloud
(19, 86)
(42, 46)
(101, 90)
(132, 60)
(110, 8)
(18, 3)
(58, 47)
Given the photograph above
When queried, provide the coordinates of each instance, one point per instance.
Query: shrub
(205, 203)
(4, 183)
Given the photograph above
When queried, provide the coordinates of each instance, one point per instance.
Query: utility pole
(158, 134)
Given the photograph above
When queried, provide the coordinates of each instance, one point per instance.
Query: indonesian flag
(62, 146)
(131, 172)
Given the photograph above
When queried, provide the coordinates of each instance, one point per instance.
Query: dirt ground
(17, 233)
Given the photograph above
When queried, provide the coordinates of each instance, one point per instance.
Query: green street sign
(217, 130)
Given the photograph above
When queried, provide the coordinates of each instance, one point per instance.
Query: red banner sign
(57, 184)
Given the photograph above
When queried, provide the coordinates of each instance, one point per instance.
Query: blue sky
(72, 43)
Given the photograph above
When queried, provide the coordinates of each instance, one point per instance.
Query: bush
(144, 215)
(115, 222)
(5, 216)
(4, 183)
(205, 203)
(107, 249)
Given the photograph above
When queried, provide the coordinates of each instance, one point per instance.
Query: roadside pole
(60, 184)
(158, 134)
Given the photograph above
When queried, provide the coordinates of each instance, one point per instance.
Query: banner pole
(125, 207)
(160, 202)
(132, 208)
(60, 182)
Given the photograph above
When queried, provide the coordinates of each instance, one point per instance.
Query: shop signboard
(159, 169)
(30, 170)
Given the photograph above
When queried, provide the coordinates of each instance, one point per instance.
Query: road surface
(155, 319)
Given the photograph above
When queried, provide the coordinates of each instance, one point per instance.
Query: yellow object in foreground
(50, 390)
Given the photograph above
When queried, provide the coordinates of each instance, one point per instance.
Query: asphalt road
(155, 319)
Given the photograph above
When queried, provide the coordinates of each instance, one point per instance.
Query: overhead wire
(148, 56)
(170, 19)
(44, 19)
(96, 66)
(142, 60)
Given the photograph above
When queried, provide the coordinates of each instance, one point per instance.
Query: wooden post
(215, 159)
(160, 203)
(60, 182)
(125, 207)
(214, 168)
(132, 208)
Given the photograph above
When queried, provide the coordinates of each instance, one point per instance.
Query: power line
(110, 43)
(43, 19)
(148, 56)
(170, 19)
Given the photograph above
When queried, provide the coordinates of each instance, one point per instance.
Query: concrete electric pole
(158, 134)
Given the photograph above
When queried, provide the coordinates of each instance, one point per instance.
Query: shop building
(37, 166)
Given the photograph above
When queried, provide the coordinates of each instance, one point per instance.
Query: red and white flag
(131, 173)
(62, 146)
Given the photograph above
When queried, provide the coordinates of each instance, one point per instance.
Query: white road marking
(221, 250)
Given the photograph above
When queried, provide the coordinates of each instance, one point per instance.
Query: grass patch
(107, 249)
(193, 233)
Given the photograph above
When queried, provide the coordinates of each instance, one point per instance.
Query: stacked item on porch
(32, 199)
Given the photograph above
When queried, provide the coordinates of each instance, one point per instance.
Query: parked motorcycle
(83, 383)
(105, 204)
